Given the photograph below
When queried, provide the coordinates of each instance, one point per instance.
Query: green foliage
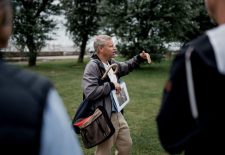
(32, 25)
(202, 20)
(137, 24)
(82, 18)
(149, 24)
(82, 21)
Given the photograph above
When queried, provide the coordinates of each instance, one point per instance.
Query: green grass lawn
(145, 89)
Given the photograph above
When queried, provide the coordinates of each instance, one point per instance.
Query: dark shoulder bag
(82, 112)
(95, 127)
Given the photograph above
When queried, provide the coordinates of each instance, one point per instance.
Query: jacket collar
(95, 58)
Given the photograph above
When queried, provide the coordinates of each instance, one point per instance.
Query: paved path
(45, 58)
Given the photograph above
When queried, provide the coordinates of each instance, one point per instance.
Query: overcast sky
(61, 36)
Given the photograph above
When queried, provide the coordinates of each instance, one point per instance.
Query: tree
(82, 21)
(32, 24)
(203, 23)
(149, 24)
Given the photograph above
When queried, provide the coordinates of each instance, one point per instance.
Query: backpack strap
(190, 83)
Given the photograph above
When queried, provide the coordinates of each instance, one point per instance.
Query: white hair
(100, 41)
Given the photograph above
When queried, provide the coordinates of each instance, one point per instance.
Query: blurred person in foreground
(192, 112)
(33, 120)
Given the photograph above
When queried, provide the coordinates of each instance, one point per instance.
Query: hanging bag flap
(82, 112)
(97, 128)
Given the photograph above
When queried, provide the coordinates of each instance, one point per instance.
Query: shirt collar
(217, 39)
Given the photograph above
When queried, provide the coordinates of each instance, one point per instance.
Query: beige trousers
(121, 138)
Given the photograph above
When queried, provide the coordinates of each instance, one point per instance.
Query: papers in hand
(122, 98)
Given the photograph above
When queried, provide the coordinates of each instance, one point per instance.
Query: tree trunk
(82, 49)
(32, 58)
(32, 51)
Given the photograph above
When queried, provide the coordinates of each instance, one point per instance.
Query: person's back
(22, 102)
(209, 81)
(33, 120)
(32, 117)
(176, 125)
(180, 127)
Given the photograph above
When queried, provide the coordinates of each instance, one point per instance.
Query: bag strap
(190, 83)
(111, 66)
(100, 80)
(104, 75)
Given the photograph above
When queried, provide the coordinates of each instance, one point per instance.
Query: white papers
(122, 98)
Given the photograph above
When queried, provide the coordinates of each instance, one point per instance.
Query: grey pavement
(45, 58)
